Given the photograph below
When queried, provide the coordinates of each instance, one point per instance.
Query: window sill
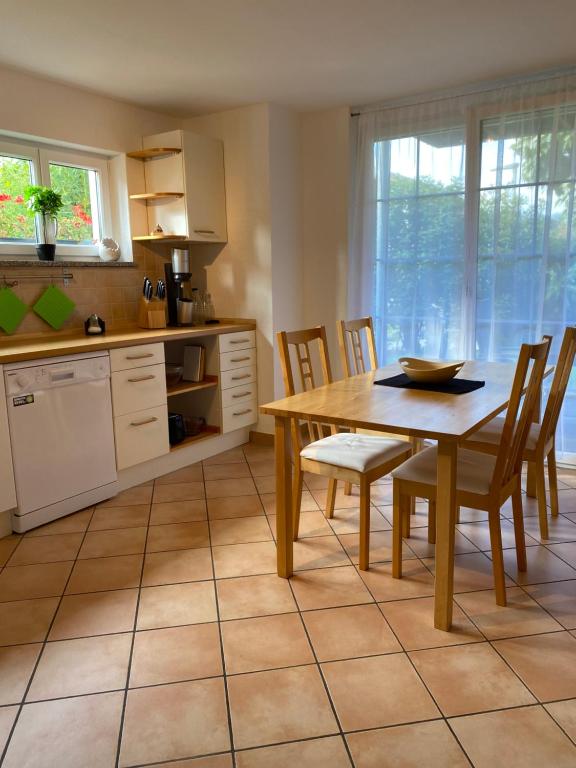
(10, 263)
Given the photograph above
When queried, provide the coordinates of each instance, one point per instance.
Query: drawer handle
(205, 231)
(242, 413)
(239, 341)
(244, 376)
(140, 357)
(144, 421)
(242, 394)
(239, 359)
(142, 378)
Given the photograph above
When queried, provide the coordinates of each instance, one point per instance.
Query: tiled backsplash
(112, 292)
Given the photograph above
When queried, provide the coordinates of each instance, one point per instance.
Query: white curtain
(463, 229)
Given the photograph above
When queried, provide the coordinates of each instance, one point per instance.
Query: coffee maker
(178, 299)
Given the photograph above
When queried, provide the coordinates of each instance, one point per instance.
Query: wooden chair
(540, 444)
(483, 481)
(346, 456)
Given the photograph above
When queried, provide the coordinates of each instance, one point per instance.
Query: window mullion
(471, 230)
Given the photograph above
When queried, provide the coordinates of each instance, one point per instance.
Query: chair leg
(431, 521)
(406, 512)
(541, 498)
(398, 513)
(553, 482)
(297, 481)
(347, 489)
(519, 529)
(331, 497)
(497, 556)
(364, 525)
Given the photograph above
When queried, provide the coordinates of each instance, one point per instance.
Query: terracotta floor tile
(346, 633)
(191, 474)
(163, 538)
(105, 573)
(25, 582)
(380, 547)
(418, 544)
(314, 482)
(267, 642)
(262, 467)
(416, 581)
(522, 615)
(543, 566)
(428, 744)
(280, 705)
(348, 521)
(76, 523)
(98, 613)
(546, 663)
(519, 738)
(560, 529)
(64, 732)
(417, 520)
(7, 718)
(168, 722)
(328, 752)
(140, 494)
(342, 501)
(469, 515)
(479, 534)
(564, 712)
(381, 494)
(258, 452)
(220, 489)
(266, 484)
(176, 567)
(473, 571)
(89, 665)
(308, 502)
(177, 604)
(377, 691)
(109, 518)
(47, 549)
(178, 512)
(234, 506)
(175, 654)
(565, 551)
(178, 492)
(226, 471)
(567, 500)
(470, 678)
(319, 552)
(413, 623)
(125, 541)
(559, 599)
(26, 621)
(244, 559)
(7, 546)
(233, 456)
(250, 596)
(214, 761)
(240, 530)
(329, 588)
(311, 524)
(16, 667)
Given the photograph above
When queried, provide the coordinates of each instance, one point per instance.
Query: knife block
(152, 313)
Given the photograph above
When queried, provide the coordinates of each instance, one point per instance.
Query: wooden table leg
(284, 524)
(445, 530)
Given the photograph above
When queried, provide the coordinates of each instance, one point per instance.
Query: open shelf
(192, 386)
(161, 237)
(146, 154)
(156, 195)
(208, 431)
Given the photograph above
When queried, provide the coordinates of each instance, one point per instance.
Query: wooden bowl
(429, 371)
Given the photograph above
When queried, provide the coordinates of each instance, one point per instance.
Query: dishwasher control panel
(56, 374)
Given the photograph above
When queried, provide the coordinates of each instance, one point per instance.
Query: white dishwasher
(61, 430)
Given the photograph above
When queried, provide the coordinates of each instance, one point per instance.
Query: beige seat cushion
(475, 470)
(352, 451)
(492, 433)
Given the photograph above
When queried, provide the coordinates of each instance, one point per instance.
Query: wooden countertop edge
(15, 349)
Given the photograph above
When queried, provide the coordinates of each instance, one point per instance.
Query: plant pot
(46, 251)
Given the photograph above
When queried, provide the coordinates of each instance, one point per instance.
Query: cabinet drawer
(230, 342)
(141, 436)
(135, 357)
(238, 359)
(137, 389)
(237, 377)
(236, 395)
(241, 415)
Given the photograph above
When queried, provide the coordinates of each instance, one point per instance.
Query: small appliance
(177, 272)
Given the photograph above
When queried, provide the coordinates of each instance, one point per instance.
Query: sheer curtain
(463, 238)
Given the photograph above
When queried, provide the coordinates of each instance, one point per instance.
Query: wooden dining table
(357, 402)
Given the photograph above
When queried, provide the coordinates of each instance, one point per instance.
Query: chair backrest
(559, 385)
(520, 413)
(309, 379)
(351, 346)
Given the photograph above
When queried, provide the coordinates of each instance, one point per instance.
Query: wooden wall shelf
(192, 386)
(155, 195)
(161, 237)
(207, 432)
(147, 154)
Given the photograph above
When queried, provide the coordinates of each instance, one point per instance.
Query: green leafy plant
(44, 201)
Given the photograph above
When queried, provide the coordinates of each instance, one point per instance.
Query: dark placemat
(452, 387)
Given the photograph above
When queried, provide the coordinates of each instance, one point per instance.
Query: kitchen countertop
(55, 344)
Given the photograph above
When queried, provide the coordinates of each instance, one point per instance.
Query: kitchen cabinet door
(205, 193)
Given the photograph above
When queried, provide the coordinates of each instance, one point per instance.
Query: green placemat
(12, 310)
(54, 307)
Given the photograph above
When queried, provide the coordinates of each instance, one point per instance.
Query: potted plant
(46, 203)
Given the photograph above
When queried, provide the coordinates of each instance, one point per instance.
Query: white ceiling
(191, 56)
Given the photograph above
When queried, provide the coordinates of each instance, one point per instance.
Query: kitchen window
(81, 179)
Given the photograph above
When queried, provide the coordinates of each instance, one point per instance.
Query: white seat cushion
(475, 470)
(352, 451)
(492, 433)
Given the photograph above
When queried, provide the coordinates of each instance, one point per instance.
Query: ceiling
(191, 56)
